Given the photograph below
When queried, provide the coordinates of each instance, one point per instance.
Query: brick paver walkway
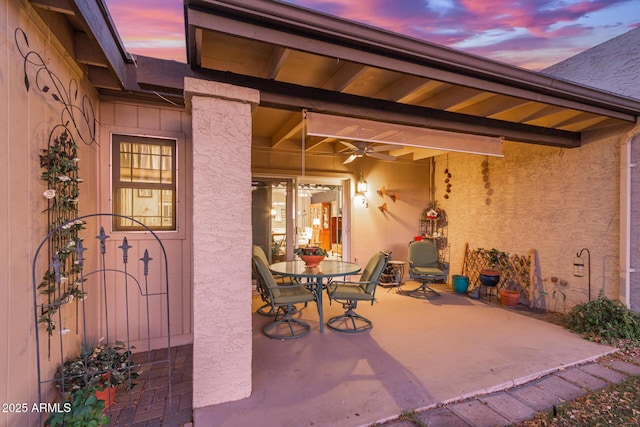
(147, 404)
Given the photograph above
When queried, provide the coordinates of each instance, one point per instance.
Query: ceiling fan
(358, 149)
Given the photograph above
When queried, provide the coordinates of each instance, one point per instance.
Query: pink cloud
(155, 29)
(497, 29)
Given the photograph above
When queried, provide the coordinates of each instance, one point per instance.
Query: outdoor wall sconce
(361, 189)
(578, 266)
(383, 208)
(361, 185)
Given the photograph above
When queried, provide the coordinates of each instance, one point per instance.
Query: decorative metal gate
(101, 295)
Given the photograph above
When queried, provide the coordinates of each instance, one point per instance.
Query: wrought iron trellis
(98, 280)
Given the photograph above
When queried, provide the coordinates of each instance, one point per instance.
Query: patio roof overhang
(301, 59)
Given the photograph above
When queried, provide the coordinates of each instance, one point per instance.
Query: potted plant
(490, 276)
(102, 368)
(311, 255)
(80, 408)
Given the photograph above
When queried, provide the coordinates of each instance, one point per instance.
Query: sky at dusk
(532, 34)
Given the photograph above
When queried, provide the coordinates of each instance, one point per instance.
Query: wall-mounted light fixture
(578, 266)
(361, 189)
(361, 185)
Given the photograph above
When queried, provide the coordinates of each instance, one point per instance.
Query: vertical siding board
(149, 118)
(161, 122)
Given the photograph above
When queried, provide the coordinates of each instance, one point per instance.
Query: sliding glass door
(287, 214)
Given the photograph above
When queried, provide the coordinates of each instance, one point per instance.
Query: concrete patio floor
(419, 354)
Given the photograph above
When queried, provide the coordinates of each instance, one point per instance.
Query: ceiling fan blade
(381, 156)
(349, 145)
(350, 159)
(384, 148)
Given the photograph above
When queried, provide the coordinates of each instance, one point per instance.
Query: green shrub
(81, 409)
(605, 320)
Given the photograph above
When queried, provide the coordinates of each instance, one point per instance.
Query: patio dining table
(315, 275)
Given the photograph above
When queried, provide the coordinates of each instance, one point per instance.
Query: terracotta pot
(312, 260)
(509, 298)
(108, 395)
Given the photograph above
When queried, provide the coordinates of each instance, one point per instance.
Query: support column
(221, 138)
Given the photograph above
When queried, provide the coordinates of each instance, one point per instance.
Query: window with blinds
(144, 182)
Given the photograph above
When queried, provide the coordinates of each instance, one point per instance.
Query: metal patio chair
(349, 293)
(425, 267)
(282, 298)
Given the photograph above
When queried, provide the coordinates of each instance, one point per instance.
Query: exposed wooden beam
(402, 88)
(520, 112)
(492, 106)
(581, 122)
(287, 130)
(102, 78)
(431, 88)
(454, 96)
(59, 6)
(86, 52)
(423, 153)
(278, 57)
(553, 119)
(346, 74)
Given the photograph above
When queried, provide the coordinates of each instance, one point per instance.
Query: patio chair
(425, 267)
(282, 297)
(349, 293)
(266, 309)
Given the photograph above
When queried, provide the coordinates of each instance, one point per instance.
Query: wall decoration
(61, 283)
(383, 192)
(487, 182)
(447, 180)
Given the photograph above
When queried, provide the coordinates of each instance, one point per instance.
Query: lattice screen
(516, 272)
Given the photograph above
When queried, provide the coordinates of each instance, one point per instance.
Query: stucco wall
(26, 119)
(548, 199)
(221, 119)
(614, 66)
(374, 230)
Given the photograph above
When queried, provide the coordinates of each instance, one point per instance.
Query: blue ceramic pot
(460, 283)
(489, 279)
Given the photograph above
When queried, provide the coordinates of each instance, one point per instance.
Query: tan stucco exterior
(221, 118)
(553, 201)
(547, 199)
